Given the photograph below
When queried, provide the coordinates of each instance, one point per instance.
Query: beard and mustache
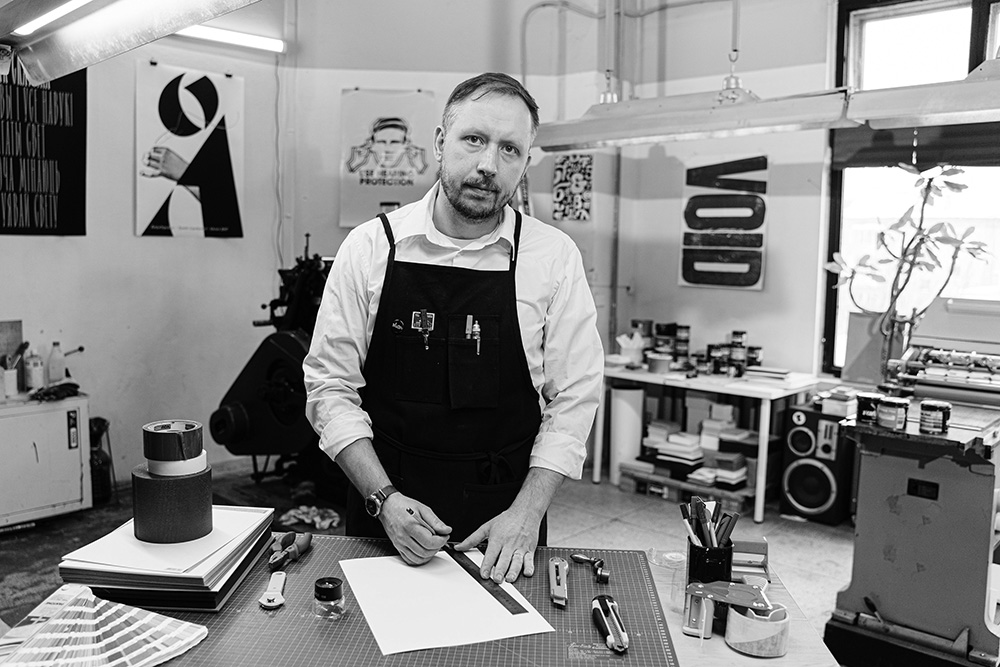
(474, 210)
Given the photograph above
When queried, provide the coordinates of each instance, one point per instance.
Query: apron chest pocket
(474, 363)
(419, 371)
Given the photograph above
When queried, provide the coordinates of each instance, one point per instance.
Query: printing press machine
(922, 588)
(954, 354)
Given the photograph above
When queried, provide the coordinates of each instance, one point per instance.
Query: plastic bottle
(34, 371)
(57, 364)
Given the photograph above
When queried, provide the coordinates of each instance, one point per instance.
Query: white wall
(165, 322)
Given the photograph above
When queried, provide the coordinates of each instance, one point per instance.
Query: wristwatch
(373, 503)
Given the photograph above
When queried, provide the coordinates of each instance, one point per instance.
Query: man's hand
(513, 537)
(415, 531)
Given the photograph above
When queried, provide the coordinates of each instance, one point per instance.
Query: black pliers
(288, 547)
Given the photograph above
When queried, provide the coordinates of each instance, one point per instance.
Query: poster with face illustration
(387, 157)
(189, 144)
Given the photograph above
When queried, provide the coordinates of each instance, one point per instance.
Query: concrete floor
(813, 560)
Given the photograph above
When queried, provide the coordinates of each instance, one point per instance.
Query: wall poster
(189, 139)
(572, 186)
(43, 155)
(387, 156)
(723, 231)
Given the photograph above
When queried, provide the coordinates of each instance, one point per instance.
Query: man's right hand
(415, 531)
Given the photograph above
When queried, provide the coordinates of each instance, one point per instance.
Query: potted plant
(905, 249)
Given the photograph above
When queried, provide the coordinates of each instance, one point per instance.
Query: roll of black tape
(171, 509)
(172, 440)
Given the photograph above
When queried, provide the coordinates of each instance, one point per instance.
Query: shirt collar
(418, 221)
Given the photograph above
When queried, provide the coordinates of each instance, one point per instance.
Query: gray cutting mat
(291, 636)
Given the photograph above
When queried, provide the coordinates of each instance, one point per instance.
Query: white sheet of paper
(433, 605)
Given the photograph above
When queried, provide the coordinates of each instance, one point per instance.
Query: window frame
(847, 10)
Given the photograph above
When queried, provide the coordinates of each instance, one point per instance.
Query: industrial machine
(263, 413)
(924, 571)
(954, 353)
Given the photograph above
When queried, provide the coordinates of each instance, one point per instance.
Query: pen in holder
(705, 565)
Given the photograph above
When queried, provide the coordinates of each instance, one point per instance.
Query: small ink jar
(934, 416)
(891, 412)
(329, 603)
(868, 406)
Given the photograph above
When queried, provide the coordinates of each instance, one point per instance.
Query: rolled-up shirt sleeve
(573, 367)
(339, 345)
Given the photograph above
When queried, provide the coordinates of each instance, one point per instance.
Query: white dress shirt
(555, 310)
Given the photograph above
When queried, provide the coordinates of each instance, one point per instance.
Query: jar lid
(329, 588)
(935, 406)
(895, 400)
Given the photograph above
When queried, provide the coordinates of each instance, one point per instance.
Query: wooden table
(765, 391)
(805, 646)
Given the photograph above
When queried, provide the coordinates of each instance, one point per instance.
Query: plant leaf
(968, 233)
(886, 261)
(955, 187)
(909, 167)
(833, 267)
(949, 240)
(952, 171)
(936, 228)
(920, 181)
(878, 277)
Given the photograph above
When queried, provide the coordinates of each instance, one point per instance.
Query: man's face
(387, 144)
(483, 154)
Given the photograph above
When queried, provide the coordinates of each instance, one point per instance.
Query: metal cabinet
(45, 449)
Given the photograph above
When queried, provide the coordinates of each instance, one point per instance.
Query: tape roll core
(172, 440)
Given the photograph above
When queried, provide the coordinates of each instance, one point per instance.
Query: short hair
(485, 84)
(391, 122)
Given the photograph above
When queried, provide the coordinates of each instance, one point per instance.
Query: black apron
(454, 418)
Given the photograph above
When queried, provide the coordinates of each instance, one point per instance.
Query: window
(889, 44)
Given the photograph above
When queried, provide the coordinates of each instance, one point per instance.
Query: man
(455, 366)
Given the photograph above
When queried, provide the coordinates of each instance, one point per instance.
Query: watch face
(372, 506)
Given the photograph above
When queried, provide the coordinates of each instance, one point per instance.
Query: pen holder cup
(708, 564)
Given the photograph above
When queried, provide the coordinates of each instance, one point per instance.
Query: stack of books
(766, 373)
(199, 575)
(679, 455)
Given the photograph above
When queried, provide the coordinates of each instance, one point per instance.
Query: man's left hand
(512, 536)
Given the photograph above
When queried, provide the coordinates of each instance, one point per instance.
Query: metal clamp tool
(597, 564)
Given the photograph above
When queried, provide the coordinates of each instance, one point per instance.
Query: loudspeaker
(818, 467)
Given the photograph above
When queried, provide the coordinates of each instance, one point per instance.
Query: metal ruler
(490, 586)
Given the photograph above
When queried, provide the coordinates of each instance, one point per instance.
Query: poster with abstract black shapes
(386, 151)
(572, 187)
(43, 155)
(724, 230)
(189, 143)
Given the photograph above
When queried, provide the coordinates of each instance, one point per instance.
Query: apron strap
(517, 239)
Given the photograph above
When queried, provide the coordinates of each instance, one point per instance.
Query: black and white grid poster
(43, 155)
(572, 186)
(189, 138)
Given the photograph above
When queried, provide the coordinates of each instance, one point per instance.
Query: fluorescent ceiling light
(45, 19)
(731, 112)
(232, 37)
(975, 99)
